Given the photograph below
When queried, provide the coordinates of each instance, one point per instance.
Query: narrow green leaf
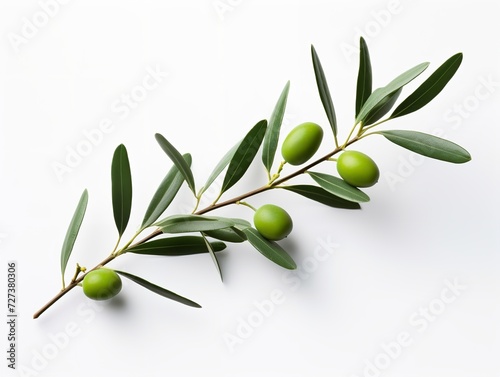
(240, 223)
(324, 92)
(244, 155)
(273, 131)
(383, 107)
(158, 290)
(231, 234)
(428, 145)
(364, 85)
(322, 196)
(430, 88)
(73, 229)
(214, 257)
(165, 193)
(121, 188)
(192, 223)
(339, 187)
(269, 249)
(220, 166)
(380, 93)
(235, 222)
(178, 161)
(176, 246)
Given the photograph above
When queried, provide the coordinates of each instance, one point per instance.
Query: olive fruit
(357, 169)
(101, 284)
(302, 143)
(273, 222)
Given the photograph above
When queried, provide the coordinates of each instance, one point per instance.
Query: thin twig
(70, 287)
(210, 208)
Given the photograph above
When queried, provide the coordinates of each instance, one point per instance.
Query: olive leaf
(324, 92)
(269, 249)
(430, 88)
(364, 84)
(239, 223)
(428, 145)
(383, 107)
(379, 94)
(220, 167)
(176, 246)
(322, 196)
(231, 234)
(244, 155)
(273, 131)
(212, 254)
(339, 187)
(178, 160)
(121, 188)
(159, 290)
(72, 232)
(192, 223)
(165, 193)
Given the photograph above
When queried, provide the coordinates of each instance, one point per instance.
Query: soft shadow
(117, 303)
(291, 247)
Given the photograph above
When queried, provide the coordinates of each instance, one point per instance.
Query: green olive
(302, 143)
(357, 169)
(101, 284)
(273, 222)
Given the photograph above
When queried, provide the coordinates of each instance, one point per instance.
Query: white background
(429, 224)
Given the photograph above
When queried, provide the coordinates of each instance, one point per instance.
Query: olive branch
(197, 233)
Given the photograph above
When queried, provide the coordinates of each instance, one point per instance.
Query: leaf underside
(339, 187)
(192, 223)
(383, 107)
(269, 249)
(73, 229)
(221, 165)
(379, 94)
(428, 145)
(273, 130)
